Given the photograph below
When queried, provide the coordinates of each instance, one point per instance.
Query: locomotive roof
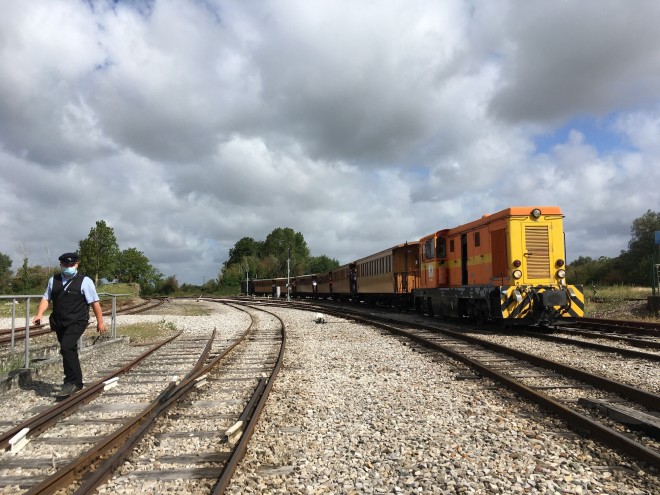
(514, 211)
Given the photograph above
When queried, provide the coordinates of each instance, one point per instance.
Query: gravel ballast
(356, 411)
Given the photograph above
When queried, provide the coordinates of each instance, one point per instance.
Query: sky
(187, 125)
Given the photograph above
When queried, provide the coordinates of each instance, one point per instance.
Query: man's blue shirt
(88, 289)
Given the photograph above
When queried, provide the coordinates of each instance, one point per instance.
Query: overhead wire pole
(288, 276)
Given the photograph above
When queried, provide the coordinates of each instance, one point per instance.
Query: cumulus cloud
(568, 58)
(189, 125)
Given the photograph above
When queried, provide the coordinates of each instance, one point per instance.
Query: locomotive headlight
(536, 213)
(561, 273)
(517, 263)
(559, 263)
(517, 274)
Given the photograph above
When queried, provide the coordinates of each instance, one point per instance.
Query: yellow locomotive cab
(506, 266)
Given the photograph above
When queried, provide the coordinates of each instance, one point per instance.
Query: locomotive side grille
(537, 245)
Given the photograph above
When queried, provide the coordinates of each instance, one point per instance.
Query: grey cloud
(567, 58)
(188, 125)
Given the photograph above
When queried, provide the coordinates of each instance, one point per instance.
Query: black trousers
(68, 337)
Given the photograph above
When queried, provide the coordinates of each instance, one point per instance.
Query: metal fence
(28, 298)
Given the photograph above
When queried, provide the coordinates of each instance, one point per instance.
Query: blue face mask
(69, 271)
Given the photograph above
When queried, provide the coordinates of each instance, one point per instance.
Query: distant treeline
(631, 267)
(283, 252)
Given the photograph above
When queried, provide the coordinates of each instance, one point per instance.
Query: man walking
(71, 294)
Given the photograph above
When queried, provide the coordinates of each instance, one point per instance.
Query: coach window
(477, 239)
(451, 245)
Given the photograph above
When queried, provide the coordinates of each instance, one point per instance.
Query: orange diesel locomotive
(508, 267)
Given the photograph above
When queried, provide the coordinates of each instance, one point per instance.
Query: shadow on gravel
(41, 388)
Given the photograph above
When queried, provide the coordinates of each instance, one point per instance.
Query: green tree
(321, 264)
(244, 249)
(168, 286)
(133, 266)
(98, 253)
(232, 275)
(31, 279)
(588, 271)
(210, 286)
(278, 244)
(23, 277)
(268, 259)
(636, 262)
(631, 267)
(243, 258)
(5, 273)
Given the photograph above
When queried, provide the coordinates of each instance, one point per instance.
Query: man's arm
(100, 325)
(43, 306)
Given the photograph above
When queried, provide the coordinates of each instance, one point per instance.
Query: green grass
(142, 333)
(617, 292)
(618, 302)
(132, 289)
(5, 308)
(12, 362)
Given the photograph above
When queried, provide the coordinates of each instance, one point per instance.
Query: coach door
(499, 256)
(464, 259)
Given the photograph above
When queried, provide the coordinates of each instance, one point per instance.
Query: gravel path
(354, 411)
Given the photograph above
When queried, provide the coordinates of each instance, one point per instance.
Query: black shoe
(69, 389)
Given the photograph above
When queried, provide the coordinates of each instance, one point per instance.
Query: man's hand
(101, 327)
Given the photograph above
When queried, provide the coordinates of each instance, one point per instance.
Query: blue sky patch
(599, 133)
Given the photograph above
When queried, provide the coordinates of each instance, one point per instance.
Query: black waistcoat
(69, 305)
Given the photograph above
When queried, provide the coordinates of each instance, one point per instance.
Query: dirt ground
(621, 310)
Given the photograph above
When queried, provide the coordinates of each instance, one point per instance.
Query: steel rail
(595, 345)
(50, 416)
(44, 328)
(105, 470)
(619, 326)
(648, 399)
(251, 418)
(575, 419)
(65, 476)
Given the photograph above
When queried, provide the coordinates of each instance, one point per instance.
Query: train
(507, 266)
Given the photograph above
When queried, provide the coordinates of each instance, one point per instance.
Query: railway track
(584, 400)
(629, 333)
(163, 419)
(44, 329)
(567, 332)
(637, 328)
